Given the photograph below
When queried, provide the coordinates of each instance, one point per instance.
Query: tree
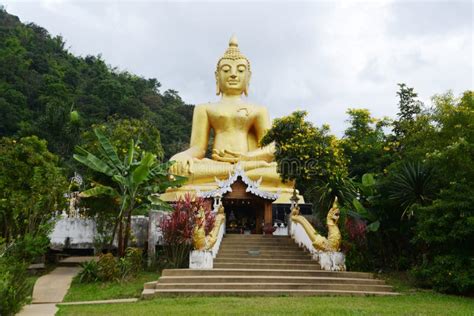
(409, 108)
(304, 153)
(134, 179)
(445, 228)
(47, 91)
(31, 186)
(118, 131)
(365, 143)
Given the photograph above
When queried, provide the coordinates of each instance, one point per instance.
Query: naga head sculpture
(333, 214)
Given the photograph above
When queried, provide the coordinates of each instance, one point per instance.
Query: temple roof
(225, 186)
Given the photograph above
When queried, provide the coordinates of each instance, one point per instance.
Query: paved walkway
(115, 301)
(50, 289)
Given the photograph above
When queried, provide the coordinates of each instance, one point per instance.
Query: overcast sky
(324, 57)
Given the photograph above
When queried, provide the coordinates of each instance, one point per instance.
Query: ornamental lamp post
(294, 199)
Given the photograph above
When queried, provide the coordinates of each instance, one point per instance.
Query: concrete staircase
(264, 265)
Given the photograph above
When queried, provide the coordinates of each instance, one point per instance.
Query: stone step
(278, 266)
(255, 247)
(276, 286)
(259, 241)
(267, 279)
(255, 237)
(266, 273)
(246, 292)
(240, 255)
(225, 259)
(269, 251)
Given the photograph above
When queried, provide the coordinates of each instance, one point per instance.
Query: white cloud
(323, 57)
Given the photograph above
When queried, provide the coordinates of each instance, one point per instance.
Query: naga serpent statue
(333, 242)
(200, 240)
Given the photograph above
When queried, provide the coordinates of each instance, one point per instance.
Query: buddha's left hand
(231, 156)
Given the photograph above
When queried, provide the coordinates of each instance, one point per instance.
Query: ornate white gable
(225, 186)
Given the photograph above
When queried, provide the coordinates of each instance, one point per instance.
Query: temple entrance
(246, 213)
(242, 216)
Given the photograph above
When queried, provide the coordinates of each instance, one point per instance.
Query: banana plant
(367, 189)
(133, 178)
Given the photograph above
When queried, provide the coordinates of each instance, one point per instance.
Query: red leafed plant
(177, 228)
(356, 229)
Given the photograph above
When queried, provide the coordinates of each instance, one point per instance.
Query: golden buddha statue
(238, 127)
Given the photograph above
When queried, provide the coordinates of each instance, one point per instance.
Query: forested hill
(47, 91)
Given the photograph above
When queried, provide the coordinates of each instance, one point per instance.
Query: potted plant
(268, 229)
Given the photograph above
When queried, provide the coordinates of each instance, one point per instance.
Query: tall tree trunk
(117, 222)
(128, 227)
(120, 238)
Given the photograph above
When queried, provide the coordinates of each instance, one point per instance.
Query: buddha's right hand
(183, 164)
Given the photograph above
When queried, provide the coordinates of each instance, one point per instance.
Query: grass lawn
(411, 302)
(419, 303)
(109, 290)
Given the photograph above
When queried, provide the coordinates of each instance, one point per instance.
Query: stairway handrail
(216, 234)
(303, 233)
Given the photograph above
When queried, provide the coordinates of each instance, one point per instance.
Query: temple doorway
(246, 213)
(243, 216)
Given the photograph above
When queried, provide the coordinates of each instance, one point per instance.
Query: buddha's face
(233, 76)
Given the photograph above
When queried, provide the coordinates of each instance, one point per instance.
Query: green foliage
(323, 195)
(304, 152)
(445, 228)
(94, 291)
(132, 264)
(119, 131)
(447, 273)
(108, 268)
(14, 288)
(365, 144)
(31, 186)
(412, 185)
(47, 91)
(14, 260)
(409, 107)
(89, 272)
(134, 181)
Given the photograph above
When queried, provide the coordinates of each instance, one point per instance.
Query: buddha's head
(233, 71)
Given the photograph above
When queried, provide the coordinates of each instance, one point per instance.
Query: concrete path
(50, 289)
(39, 310)
(115, 301)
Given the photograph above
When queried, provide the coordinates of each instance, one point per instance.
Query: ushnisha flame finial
(233, 41)
(233, 52)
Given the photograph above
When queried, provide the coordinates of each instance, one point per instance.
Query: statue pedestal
(201, 259)
(332, 261)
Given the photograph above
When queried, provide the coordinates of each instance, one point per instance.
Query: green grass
(108, 290)
(411, 302)
(420, 303)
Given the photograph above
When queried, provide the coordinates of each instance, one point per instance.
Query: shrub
(447, 274)
(445, 232)
(89, 272)
(30, 246)
(107, 269)
(131, 264)
(178, 227)
(14, 289)
(14, 260)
